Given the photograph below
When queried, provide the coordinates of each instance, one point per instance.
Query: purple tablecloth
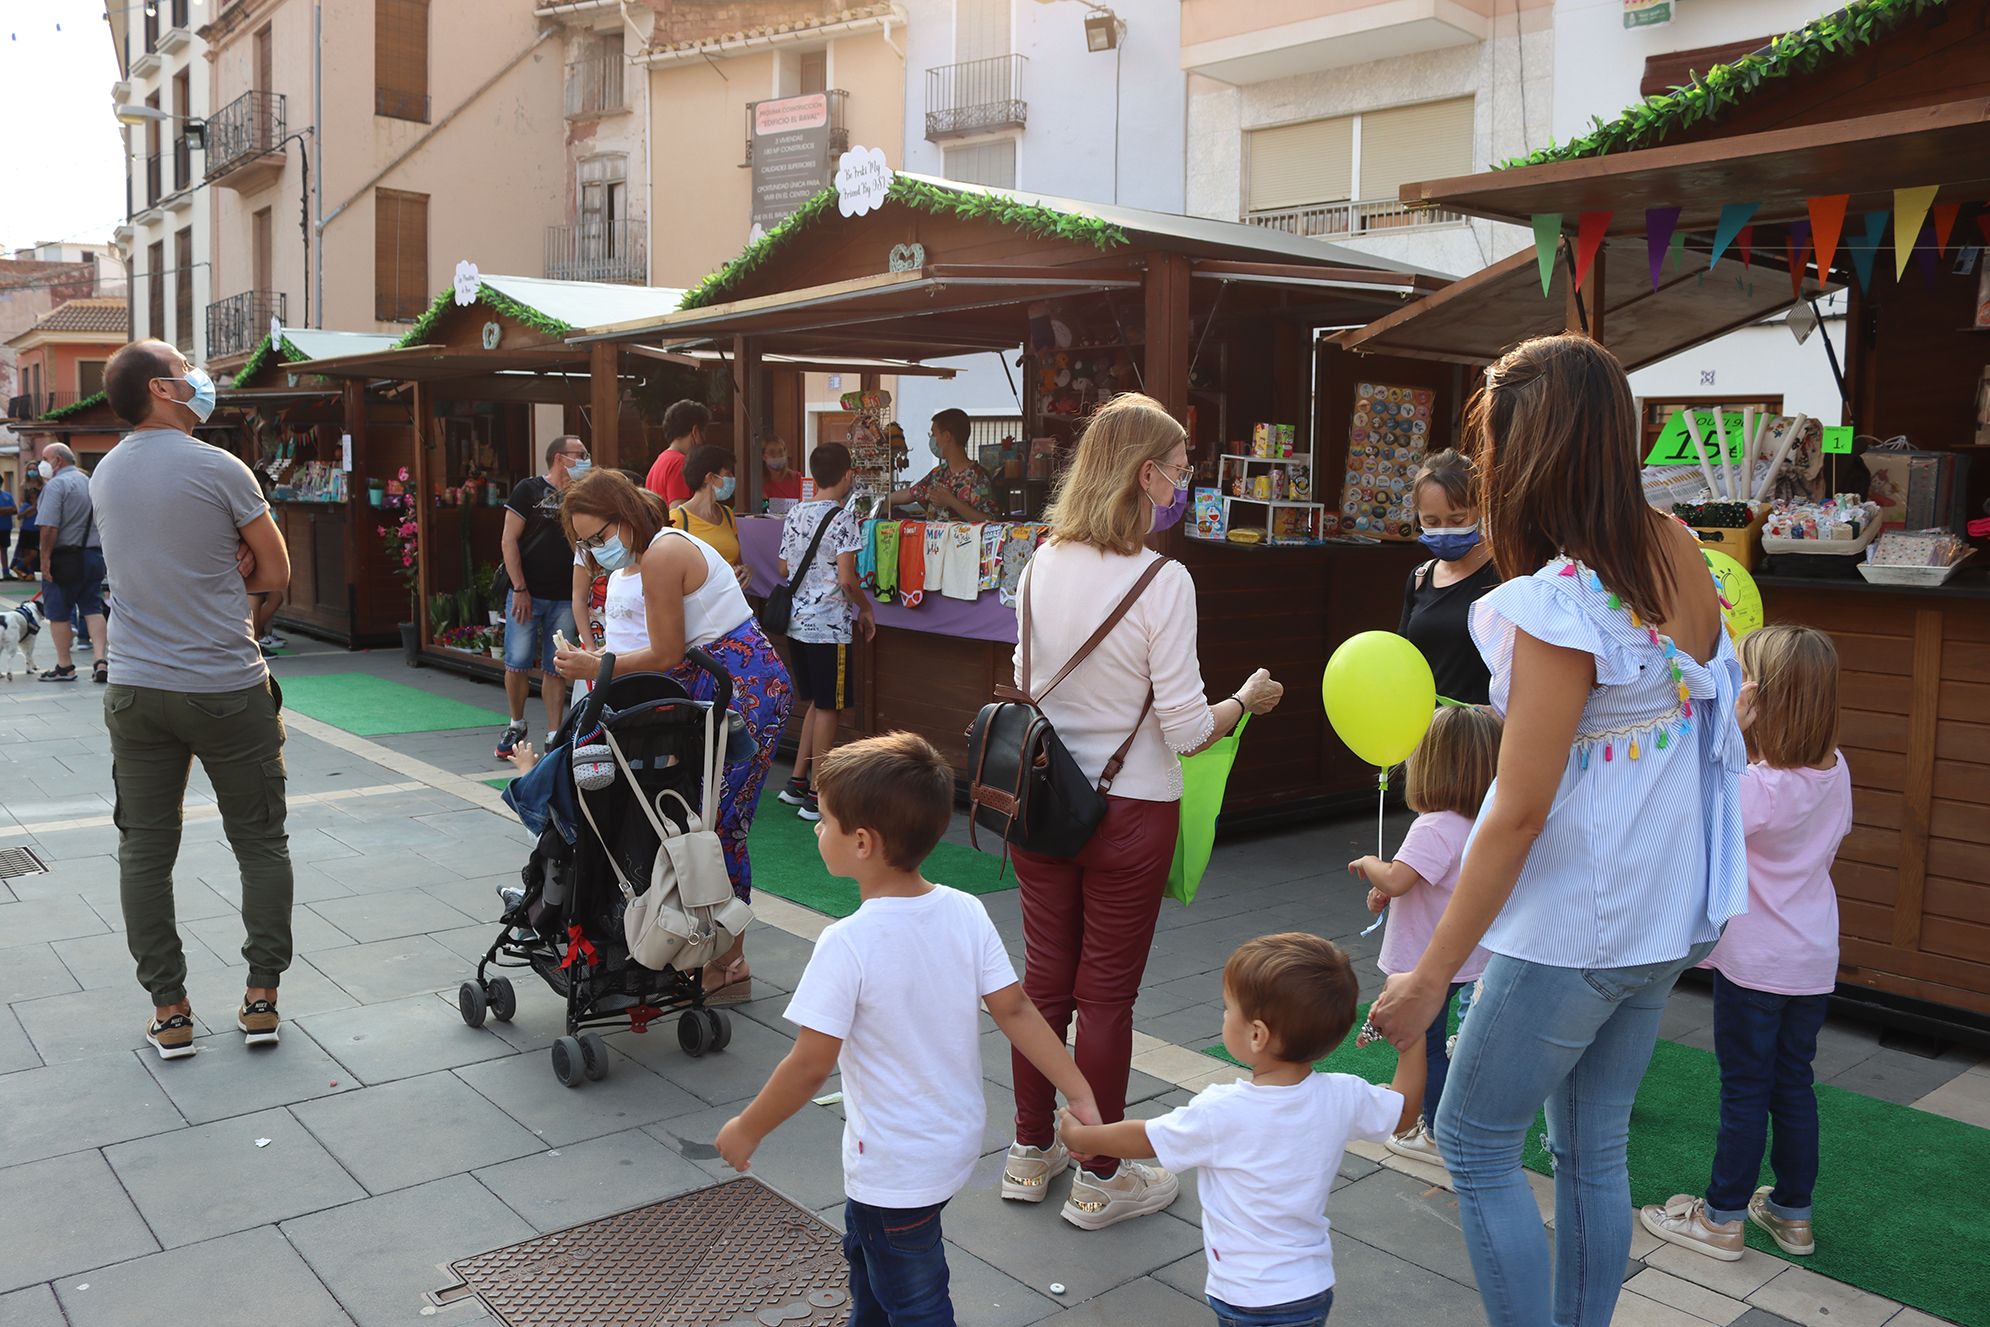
(985, 618)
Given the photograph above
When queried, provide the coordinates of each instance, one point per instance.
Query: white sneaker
(1416, 1144)
(1028, 1171)
(1683, 1221)
(1135, 1189)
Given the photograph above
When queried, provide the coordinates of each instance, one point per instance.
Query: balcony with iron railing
(245, 139)
(1351, 219)
(599, 251)
(34, 405)
(839, 124)
(976, 97)
(236, 324)
(595, 84)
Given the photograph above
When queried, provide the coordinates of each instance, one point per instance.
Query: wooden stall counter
(1913, 877)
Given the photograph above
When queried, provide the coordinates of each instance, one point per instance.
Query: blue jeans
(529, 644)
(1437, 1064)
(1299, 1313)
(1578, 1040)
(898, 1266)
(1765, 1044)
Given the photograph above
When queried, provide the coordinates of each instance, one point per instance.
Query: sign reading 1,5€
(1675, 446)
(862, 180)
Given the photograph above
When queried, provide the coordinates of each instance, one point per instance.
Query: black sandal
(67, 674)
(100, 673)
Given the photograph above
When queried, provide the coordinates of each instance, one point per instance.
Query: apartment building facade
(357, 150)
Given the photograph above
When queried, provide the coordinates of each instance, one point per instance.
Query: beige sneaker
(1028, 1171)
(1794, 1237)
(258, 1021)
(173, 1038)
(1135, 1189)
(1683, 1221)
(1417, 1145)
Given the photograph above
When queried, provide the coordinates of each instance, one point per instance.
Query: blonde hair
(1454, 764)
(1795, 672)
(1451, 471)
(1098, 500)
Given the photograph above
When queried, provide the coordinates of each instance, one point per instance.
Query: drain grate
(736, 1254)
(20, 861)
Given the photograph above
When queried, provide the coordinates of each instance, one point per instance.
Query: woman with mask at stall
(708, 474)
(1088, 920)
(780, 481)
(1437, 601)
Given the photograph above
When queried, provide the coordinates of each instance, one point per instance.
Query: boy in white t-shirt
(892, 997)
(1268, 1149)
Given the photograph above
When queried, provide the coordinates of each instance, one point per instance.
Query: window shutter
(992, 163)
(183, 289)
(981, 29)
(400, 59)
(155, 290)
(1295, 164)
(400, 255)
(1428, 142)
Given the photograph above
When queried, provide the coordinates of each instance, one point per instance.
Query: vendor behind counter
(956, 488)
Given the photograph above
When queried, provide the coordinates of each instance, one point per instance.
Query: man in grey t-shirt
(72, 561)
(189, 538)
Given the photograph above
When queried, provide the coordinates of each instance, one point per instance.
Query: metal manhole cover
(20, 861)
(734, 1255)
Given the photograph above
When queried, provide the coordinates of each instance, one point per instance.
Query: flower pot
(376, 495)
(497, 618)
(411, 644)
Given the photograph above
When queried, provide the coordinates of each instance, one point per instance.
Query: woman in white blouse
(1088, 920)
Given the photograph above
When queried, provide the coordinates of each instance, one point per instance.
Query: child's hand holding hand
(1071, 1130)
(1377, 900)
(736, 1144)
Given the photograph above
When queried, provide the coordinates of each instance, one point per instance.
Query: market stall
(1216, 320)
(1860, 144)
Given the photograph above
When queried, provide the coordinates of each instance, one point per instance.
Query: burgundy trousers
(1088, 922)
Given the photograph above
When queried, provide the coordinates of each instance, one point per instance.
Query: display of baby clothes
(867, 557)
(1017, 546)
(991, 556)
(936, 556)
(911, 562)
(963, 562)
(887, 560)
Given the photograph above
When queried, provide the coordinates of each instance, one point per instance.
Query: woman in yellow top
(705, 515)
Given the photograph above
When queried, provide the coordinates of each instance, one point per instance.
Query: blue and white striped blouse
(1642, 855)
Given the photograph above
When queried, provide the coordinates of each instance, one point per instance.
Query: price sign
(1675, 446)
(1838, 441)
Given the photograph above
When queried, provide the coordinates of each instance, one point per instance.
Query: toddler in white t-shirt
(1267, 1149)
(892, 997)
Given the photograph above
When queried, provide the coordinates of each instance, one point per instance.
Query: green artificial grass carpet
(785, 862)
(1897, 1210)
(373, 706)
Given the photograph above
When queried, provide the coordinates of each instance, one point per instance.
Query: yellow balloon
(1379, 696)
(1744, 610)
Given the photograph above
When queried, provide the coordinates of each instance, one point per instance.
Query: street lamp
(133, 114)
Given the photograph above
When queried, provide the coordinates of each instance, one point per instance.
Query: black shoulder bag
(1022, 782)
(779, 609)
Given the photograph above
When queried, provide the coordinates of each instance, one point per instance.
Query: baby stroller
(565, 918)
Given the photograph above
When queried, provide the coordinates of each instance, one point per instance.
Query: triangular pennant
(1796, 248)
(1547, 234)
(1744, 244)
(1864, 248)
(1733, 225)
(1925, 253)
(1677, 249)
(1827, 219)
(1660, 222)
(1983, 222)
(1945, 215)
(1909, 206)
(1589, 232)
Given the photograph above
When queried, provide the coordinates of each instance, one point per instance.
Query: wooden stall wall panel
(1956, 983)
(934, 686)
(297, 537)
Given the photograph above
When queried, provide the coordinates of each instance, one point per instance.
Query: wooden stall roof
(1476, 320)
(267, 367)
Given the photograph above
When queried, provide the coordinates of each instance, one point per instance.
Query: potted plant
(401, 535)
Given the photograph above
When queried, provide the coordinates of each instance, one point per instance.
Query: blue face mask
(575, 469)
(202, 403)
(1451, 545)
(724, 488)
(613, 555)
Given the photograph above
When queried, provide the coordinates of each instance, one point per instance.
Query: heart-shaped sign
(906, 257)
(492, 334)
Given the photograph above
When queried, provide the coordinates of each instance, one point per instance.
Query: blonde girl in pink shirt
(1445, 782)
(1777, 963)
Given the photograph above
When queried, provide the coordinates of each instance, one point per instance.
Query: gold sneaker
(1028, 1171)
(1794, 1237)
(1135, 1189)
(1417, 1145)
(258, 1021)
(1683, 1221)
(173, 1038)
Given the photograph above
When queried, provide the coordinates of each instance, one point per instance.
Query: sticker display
(1386, 443)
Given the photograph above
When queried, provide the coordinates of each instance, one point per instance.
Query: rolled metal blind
(1432, 141)
(1295, 164)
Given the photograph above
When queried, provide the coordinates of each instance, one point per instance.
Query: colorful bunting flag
(1547, 235)
(1827, 219)
(1864, 248)
(1925, 250)
(1983, 222)
(1733, 226)
(1659, 225)
(1796, 247)
(1909, 207)
(1744, 243)
(1945, 215)
(1589, 232)
(1677, 250)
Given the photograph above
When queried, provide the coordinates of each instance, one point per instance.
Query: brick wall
(700, 20)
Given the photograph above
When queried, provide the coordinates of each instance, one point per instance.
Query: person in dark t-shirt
(538, 562)
(1437, 601)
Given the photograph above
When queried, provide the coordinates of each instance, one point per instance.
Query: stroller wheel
(593, 1056)
(503, 999)
(694, 1033)
(569, 1065)
(721, 1025)
(471, 1004)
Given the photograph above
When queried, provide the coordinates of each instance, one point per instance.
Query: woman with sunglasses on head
(670, 592)
(1088, 920)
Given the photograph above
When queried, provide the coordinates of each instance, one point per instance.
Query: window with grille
(1366, 157)
(400, 255)
(183, 288)
(262, 250)
(155, 289)
(992, 163)
(89, 377)
(400, 59)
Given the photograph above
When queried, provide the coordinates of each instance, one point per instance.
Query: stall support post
(604, 365)
(745, 369)
(1585, 306)
(424, 426)
(354, 415)
(1167, 316)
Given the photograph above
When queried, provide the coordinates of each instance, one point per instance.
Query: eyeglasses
(589, 543)
(1178, 475)
(580, 455)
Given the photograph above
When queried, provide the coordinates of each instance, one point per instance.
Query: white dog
(19, 626)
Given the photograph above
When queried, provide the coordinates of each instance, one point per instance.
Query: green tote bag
(1204, 776)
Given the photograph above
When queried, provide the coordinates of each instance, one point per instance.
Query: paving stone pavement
(327, 1180)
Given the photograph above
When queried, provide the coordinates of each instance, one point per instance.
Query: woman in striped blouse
(1609, 852)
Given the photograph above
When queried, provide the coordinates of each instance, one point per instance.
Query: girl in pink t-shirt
(1777, 963)
(1445, 782)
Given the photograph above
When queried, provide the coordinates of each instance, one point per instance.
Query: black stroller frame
(566, 923)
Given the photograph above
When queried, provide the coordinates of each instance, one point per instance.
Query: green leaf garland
(77, 407)
(497, 300)
(257, 357)
(1707, 96)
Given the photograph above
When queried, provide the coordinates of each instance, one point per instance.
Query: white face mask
(45, 470)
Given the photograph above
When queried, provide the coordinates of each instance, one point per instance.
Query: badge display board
(1388, 438)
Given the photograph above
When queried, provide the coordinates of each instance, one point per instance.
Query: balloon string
(1381, 800)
